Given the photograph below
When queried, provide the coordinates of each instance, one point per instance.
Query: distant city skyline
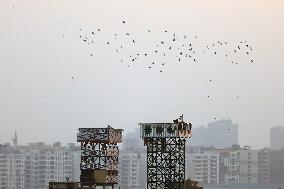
(219, 134)
(52, 83)
(34, 165)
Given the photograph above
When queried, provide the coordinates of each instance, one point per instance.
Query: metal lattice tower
(99, 156)
(165, 153)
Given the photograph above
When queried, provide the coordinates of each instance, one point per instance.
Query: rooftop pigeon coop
(165, 153)
(99, 156)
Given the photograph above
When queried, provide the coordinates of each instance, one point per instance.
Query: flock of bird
(184, 48)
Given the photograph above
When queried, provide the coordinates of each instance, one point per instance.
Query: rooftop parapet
(100, 135)
(166, 130)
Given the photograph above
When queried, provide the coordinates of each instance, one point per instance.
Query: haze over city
(50, 85)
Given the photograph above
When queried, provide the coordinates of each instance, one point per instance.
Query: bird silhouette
(180, 46)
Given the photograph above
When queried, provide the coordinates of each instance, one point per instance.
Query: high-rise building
(130, 170)
(11, 169)
(132, 140)
(229, 165)
(204, 167)
(35, 165)
(248, 166)
(264, 166)
(132, 162)
(277, 166)
(222, 133)
(219, 134)
(200, 137)
(277, 138)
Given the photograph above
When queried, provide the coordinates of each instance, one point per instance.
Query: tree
(189, 184)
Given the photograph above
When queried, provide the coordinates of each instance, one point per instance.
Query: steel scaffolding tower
(99, 156)
(165, 153)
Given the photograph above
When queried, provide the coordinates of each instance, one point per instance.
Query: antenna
(15, 139)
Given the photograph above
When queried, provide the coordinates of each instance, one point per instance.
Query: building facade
(248, 166)
(277, 138)
(130, 170)
(35, 165)
(219, 134)
(204, 167)
(277, 166)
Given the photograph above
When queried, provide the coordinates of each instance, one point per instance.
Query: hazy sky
(39, 98)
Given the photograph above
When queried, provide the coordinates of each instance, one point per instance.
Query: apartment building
(35, 165)
(204, 167)
(229, 166)
(11, 169)
(129, 170)
(277, 166)
(248, 166)
(277, 138)
(219, 134)
(264, 166)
